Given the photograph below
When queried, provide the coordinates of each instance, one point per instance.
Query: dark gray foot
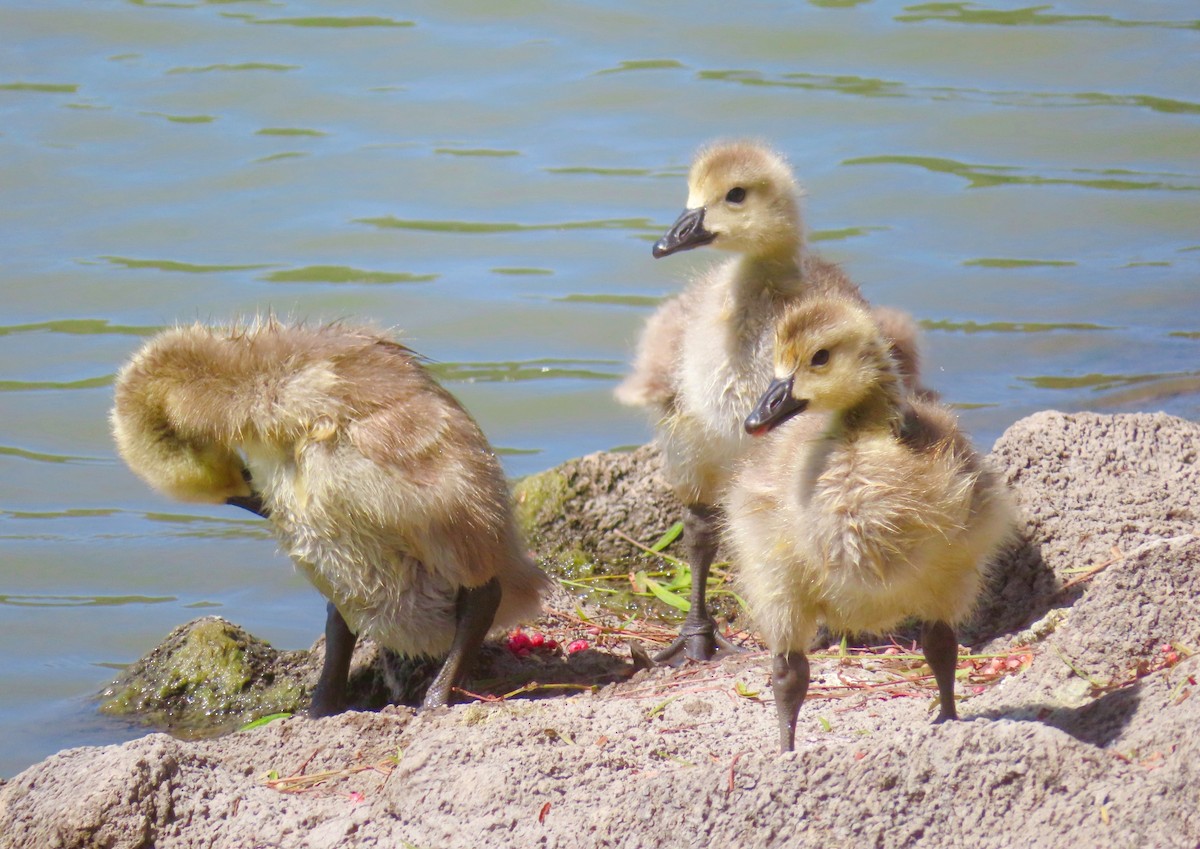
(941, 653)
(698, 637)
(330, 695)
(475, 611)
(789, 683)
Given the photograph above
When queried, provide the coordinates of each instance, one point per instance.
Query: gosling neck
(777, 271)
(879, 411)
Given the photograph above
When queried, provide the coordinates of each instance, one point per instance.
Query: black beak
(774, 408)
(686, 233)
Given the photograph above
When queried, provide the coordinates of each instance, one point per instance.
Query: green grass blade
(666, 596)
(669, 537)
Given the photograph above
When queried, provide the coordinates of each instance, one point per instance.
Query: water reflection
(78, 327)
(985, 176)
(81, 600)
(344, 274)
(873, 87)
(974, 13)
(392, 222)
(542, 369)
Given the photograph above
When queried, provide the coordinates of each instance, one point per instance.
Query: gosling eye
(735, 195)
(821, 357)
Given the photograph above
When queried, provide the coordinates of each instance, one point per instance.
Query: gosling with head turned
(860, 508)
(705, 355)
(380, 487)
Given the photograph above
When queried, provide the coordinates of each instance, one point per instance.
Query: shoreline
(1076, 702)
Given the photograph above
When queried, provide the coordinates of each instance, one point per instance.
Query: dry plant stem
(698, 637)
(1091, 573)
(301, 783)
(941, 653)
(474, 611)
(531, 687)
(789, 682)
(642, 629)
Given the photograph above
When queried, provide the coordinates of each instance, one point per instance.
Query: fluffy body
(705, 355)
(882, 513)
(378, 484)
(723, 363)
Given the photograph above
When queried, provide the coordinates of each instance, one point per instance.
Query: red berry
(578, 645)
(518, 642)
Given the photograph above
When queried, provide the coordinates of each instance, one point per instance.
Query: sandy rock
(1087, 484)
(1089, 741)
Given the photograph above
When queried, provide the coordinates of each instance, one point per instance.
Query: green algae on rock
(206, 676)
(579, 516)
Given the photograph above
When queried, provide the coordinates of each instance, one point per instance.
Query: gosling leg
(698, 637)
(474, 611)
(789, 683)
(941, 653)
(330, 695)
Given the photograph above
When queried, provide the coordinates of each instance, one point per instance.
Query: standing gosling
(880, 512)
(705, 355)
(378, 484)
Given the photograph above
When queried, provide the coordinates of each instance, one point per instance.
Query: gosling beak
(686, 233)
(774, 408)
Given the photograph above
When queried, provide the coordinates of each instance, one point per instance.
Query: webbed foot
(698, 639)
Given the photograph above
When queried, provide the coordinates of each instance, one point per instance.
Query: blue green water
(487, 179)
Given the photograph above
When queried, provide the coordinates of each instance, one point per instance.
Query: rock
(1089, 743)
(210, 676)
(1089, 487)
(571, 514)
(208, 671)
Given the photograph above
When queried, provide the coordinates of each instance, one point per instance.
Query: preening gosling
(705, 355)
(880, 513)
(377, 483)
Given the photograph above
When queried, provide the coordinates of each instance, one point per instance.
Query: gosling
(880, 512)
(705, 355)
(377, 483)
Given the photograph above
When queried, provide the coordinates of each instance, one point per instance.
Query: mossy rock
(206, 673)
(209, 676)
(577, 516)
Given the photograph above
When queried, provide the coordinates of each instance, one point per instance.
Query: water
(488, 178)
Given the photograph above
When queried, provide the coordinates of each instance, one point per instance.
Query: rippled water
(488, 178)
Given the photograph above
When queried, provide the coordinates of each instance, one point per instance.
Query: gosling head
(829, 357)
(741, 197)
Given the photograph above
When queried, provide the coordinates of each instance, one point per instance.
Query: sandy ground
(1078, 705)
